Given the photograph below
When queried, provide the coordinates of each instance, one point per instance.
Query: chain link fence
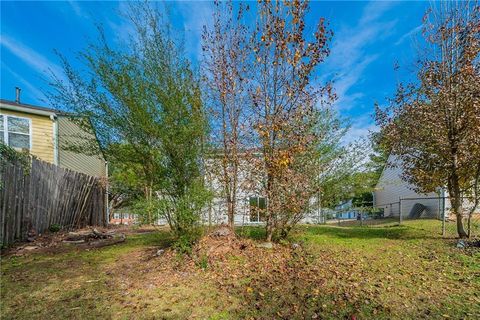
(430, 213)
(436, 209)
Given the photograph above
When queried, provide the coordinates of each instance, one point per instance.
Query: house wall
(69, 134)
(217, 212)
(390, 188)
(42, 134)
(248, 186)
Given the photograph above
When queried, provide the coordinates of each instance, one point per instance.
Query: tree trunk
(460, 229)
(268, 214)
(269, 230)
(455, 195)
(229, 184)
(231, 213)
(148, 198)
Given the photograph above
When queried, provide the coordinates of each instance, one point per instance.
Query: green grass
(381, 272)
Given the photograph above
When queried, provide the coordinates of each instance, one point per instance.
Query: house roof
(28, 108)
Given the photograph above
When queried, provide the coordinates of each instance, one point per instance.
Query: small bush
(10, 155)
(203, 262)
(185, 241)
(55, 227)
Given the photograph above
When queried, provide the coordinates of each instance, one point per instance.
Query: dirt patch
(284, 281)
(136, 229)
(281, 276)
(220, 256)
(61, 241)
(220, 243)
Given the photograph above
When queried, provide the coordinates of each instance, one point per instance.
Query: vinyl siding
(248, 181)
(42, 134)
(391, 188)
(69, 133)
(217, 212)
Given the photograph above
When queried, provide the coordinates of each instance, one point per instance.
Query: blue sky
(369, 38)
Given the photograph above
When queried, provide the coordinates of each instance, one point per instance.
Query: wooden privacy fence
(43, 195)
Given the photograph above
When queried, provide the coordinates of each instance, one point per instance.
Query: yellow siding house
(44, 133)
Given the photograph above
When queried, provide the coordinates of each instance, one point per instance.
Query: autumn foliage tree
(433, 124)
(225, 68)
(285, 104)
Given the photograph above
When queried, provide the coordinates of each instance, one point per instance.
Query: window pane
(1, 122)
(262, 204)
(18, 125)
(1, 137)
(16, 140)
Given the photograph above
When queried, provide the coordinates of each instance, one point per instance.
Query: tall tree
(285, 111)
(145, 106)
(433, 124)
(225, 65)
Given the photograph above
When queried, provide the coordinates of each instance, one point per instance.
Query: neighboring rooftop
(23, 107)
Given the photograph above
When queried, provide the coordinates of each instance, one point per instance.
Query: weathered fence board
(45, 196)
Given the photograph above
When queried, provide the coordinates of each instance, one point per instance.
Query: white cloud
(27, 87)
(195, 16)
(75, 6)
(409, 35)
(351, 76)
(374, 10)
(123, 29)
(30, 57)
(349, 55)
(361, 129)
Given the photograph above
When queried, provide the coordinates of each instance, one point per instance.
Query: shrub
(10, 155)
(55, 227)
(185, 241)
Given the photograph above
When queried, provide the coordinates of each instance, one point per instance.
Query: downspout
(54, 119)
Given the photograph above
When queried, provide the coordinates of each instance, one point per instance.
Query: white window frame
(6, 132)
(257, 220)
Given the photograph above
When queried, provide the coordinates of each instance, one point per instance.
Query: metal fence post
(443, 217)
(400, 209)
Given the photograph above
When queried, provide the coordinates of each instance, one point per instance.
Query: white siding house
(394, 194)
(249, 197)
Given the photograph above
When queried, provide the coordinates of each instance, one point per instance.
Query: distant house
(394, 195)
(124, 216)
(345, 210)
(46, 133)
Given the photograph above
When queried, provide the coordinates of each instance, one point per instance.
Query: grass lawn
(381, 272)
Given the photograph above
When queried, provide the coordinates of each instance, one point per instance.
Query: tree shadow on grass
(399, 232)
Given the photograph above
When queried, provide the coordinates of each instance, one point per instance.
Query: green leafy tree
(144, 103)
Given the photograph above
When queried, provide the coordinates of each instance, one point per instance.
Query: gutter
(27, 110)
